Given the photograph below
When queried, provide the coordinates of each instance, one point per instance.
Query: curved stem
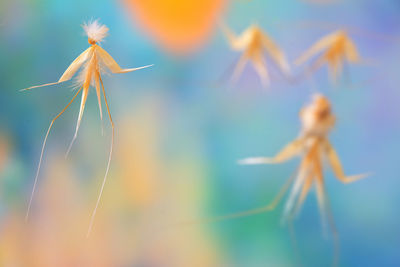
(41, 154)
(266, 208)
(108, 163)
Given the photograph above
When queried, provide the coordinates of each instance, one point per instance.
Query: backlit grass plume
(313, 146)
(93, 62)
(335, 50)
(254, 43)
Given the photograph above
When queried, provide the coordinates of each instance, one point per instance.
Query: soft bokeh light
(180, 26)
(181, 126)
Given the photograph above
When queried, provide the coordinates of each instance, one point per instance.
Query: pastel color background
(181, 127)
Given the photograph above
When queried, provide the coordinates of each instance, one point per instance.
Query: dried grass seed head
(317, 118)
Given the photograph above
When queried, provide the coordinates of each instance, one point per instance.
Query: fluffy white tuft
(95, 31)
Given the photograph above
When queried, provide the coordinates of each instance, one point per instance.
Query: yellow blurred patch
(180, 26)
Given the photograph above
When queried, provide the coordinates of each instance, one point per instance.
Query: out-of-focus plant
(337, 49)
(255, 44)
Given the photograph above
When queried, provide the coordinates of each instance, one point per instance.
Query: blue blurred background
(181, 127)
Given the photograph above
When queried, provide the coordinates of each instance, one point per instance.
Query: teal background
(205, 118)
